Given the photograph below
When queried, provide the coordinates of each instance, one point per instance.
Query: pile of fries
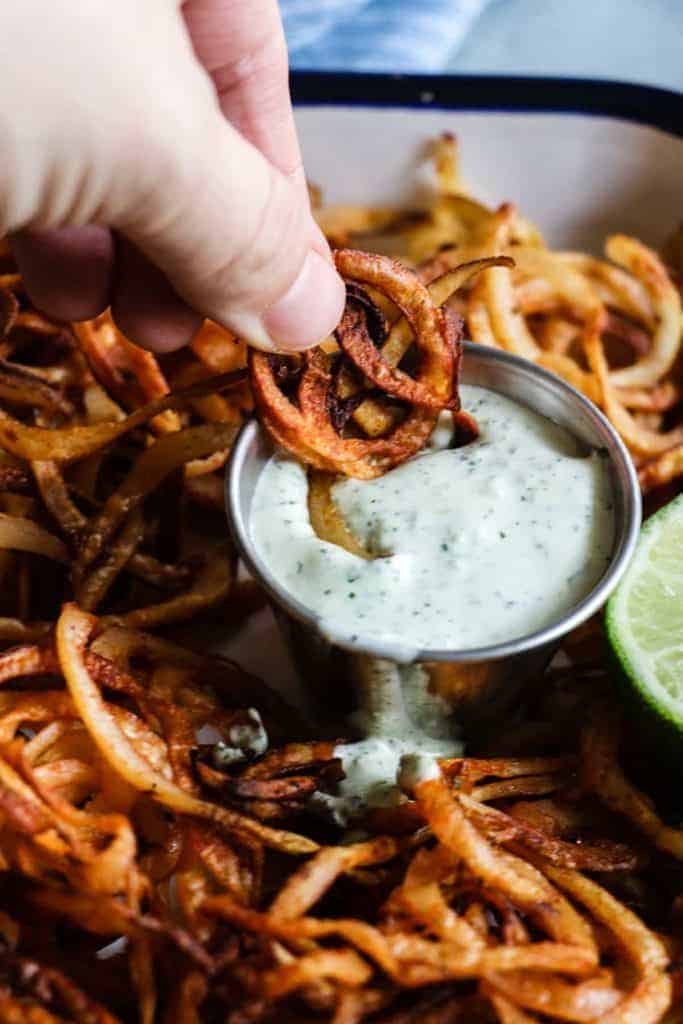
(611, 328)
(161, 856)
(308, 402)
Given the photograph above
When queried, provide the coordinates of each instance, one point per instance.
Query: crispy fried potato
(140, 780)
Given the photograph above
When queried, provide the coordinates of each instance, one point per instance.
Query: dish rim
(647, 105)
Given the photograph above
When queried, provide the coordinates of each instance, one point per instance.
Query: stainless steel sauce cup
(480, 683)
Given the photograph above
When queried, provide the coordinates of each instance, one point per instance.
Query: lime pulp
(645, 616)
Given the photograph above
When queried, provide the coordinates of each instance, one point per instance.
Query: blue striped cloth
(376, 35)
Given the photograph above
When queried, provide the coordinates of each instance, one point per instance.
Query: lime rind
(645, 616)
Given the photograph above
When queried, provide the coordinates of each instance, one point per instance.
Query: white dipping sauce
(489, 542)
(400, 717)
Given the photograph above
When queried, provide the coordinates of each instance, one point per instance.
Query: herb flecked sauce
(489, 542)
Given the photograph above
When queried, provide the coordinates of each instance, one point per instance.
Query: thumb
(235, 237)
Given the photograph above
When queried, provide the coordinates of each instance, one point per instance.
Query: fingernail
(309, 310)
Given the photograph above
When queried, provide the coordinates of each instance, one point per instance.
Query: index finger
(242, 46)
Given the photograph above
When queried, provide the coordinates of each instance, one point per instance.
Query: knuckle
(265, 263)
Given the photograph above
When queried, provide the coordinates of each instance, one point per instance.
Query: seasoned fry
(640, 440)
(666, 303)
(94, 588)
(526, 888)
(603, 775)
(71, 443)
(55, 494)
(441, 289)
(325, 517)
(9, 309)
(355, 341)
(162, 458)
(500, 828)
(73, 631)
(129, 373)
(369, 415)
(307, 429)
(211, 585)
(662, 469)
(586, 1001)
(17, 534)
(306, 888)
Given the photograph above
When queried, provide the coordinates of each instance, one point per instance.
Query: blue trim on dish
(645, 104)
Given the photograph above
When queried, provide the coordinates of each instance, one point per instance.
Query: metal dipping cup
(480, 683)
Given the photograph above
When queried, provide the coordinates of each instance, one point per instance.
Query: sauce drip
(398, 716)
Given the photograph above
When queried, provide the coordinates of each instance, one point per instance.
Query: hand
(150, 161)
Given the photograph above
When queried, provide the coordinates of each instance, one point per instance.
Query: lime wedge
(645, 617)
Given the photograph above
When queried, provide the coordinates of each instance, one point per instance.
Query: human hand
(150, 161)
